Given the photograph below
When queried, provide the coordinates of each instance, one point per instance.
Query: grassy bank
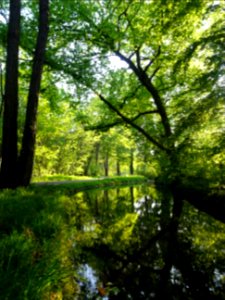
(35, 245)
(58, 177)
(83, 183)
(36, 238)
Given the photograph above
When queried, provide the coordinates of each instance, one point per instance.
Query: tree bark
(131, 162)
(97, 150)
(87, 165)
(10, 114)
(26, 158)
(106, 164)
(118, 171)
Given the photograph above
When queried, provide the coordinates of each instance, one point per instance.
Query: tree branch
(104, 127)
(154, 73)
(132, 124)
(130, 95)
(152, 61)
(138, 57)
(119, 122)
(148, 112)
(146, 82)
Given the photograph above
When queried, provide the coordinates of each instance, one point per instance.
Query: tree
(164, 102)
(169, 88)
(9, 138)
(17, 171)
(26, 159)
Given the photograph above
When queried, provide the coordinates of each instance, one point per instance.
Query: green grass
(34, 245)
(36, 230)
(58, 177)
(82, 183)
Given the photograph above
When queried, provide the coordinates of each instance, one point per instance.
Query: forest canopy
(112, 87)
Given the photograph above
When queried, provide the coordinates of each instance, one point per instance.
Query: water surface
(133, 243)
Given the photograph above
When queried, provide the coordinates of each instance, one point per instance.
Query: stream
(131, 243)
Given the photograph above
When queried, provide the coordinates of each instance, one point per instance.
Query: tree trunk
(144, 79)
(97, 149)
(106, 164)
(88, 163)
(131, 162)
(1, 90)
(26, 158)
(96, 168)
(9, 134)
(118, 171)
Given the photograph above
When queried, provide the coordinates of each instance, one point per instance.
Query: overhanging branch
(104, 127)
(119, 122)
(132, 124)
(146, 82)
(152, 60)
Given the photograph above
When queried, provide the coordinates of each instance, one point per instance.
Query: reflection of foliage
(115, 235)
(202, 242)
(128, 249)
(120, 233)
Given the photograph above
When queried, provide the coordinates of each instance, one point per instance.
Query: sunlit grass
(61, 177)
(88, 183)
(58, 177)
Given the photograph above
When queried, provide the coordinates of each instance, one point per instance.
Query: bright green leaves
(177, 47)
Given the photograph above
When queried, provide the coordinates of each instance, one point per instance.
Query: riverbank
(39, 227)
(87, 183)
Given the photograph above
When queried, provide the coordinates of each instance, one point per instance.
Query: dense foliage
(101, 88)
(146, 77)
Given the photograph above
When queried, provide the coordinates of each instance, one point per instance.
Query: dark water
(133, 243)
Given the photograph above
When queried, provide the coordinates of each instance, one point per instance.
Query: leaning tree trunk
(26, 158)
(9, 133)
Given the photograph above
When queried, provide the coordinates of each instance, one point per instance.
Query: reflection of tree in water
(166, 257)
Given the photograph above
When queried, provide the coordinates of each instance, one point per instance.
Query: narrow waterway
(133, 243)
